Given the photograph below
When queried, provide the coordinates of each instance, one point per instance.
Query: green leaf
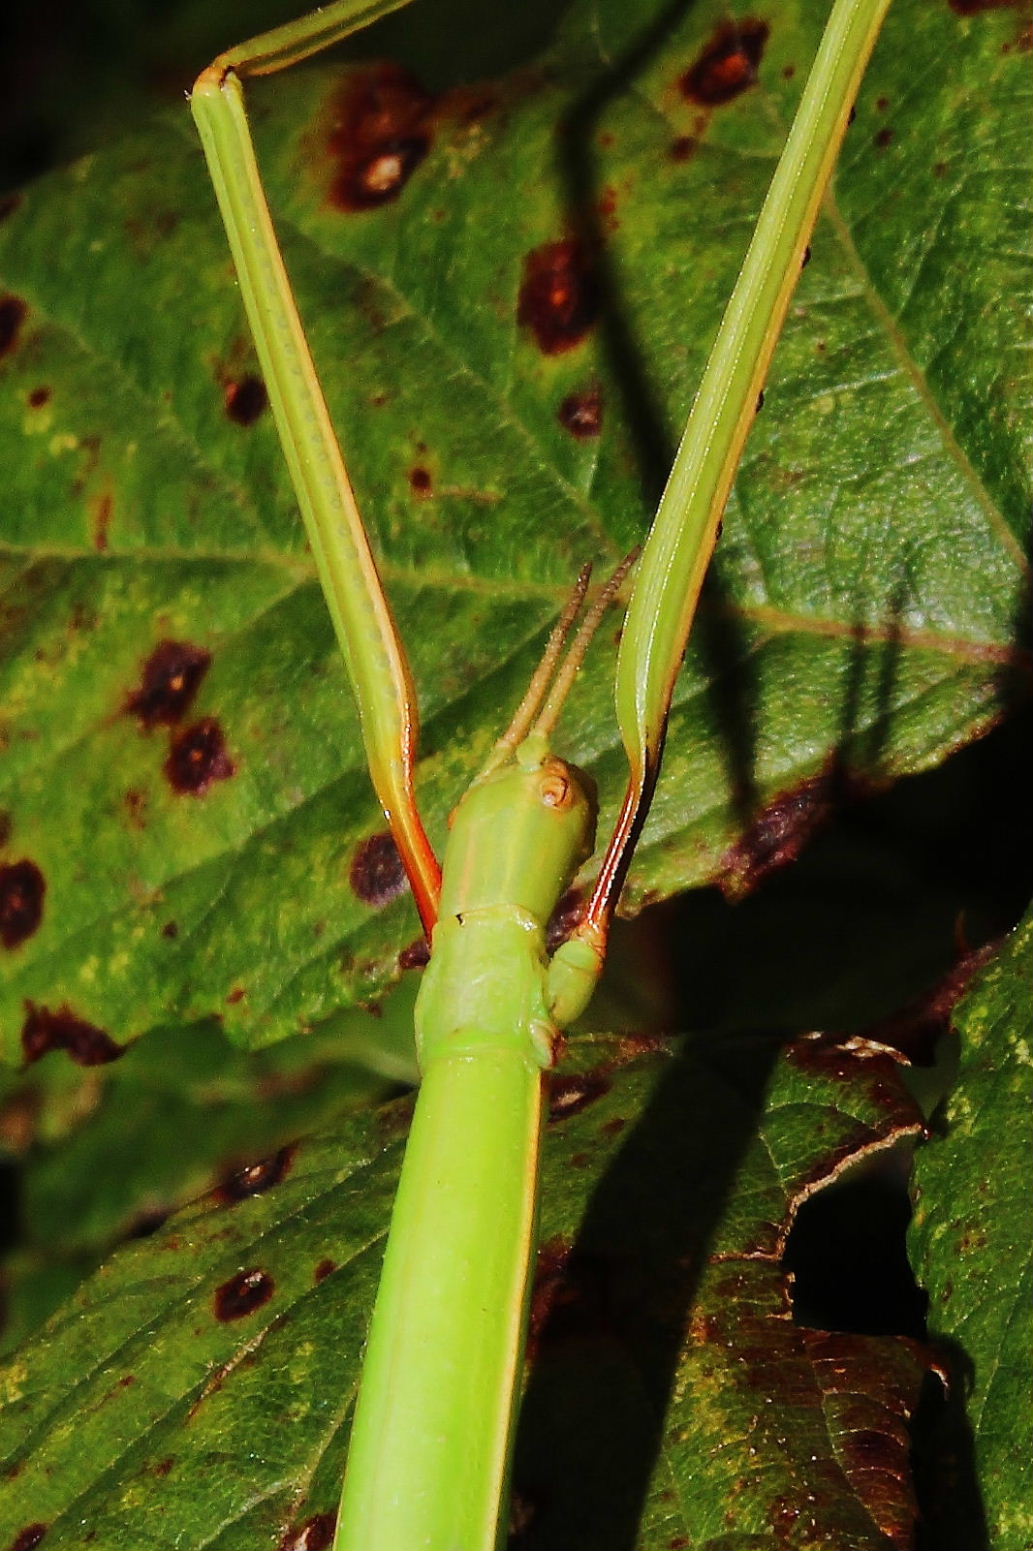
(972, 1246)
(197, 1390)
(107, 1153)
(860, 620)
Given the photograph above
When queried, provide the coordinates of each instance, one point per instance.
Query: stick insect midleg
(431, 1435)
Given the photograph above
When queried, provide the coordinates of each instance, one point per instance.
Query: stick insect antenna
(526, 711)
(550, 711)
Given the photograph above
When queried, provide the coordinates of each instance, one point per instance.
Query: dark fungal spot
(381, 133)
(198, 757)
(252, 1179)
(12, 316)
(40, 396)
(884, 138)
(164, 1466)
(243, 1294)
(550, 1278)
(170, 930)
(22, 888)
(169, 681)
(31, 1535)
(101, 512)
(559, 297)
(416, 955)
(420, 481)
(569, 1095)
(324, 1269)
(882, 103)
(777, 835)
(728, 65)
(683, 149)
(582, 414)
(245, 400)
(44, 1031)
(570, 909)
(376, 873)
(316, 1534)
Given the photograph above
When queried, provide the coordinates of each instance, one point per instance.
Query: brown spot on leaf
(22, 889)
(44, 1031)
(567, 915)
(777, 835)
(101, 513)
(252, 1179)
(683, 149)
(198, 757)
(549, 1288)
(316, 1534)
(163, 1467)
(30, 1536)
(420, 481)
(246, 399)
(170, 679)
(569, 1095)
(416, 955)
(170, 930)
(973, 7)
(884, 138)
(243, 1294)
(376, 873)
(40, 396)
(12, 316)
(806, 257)
(381, 133)
(324, 1269)
(728, 65)
(581, 413)
(559, 297)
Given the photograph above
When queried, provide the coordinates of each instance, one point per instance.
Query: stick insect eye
(554, 790)
(559, 786)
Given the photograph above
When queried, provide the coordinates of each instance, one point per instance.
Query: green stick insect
(430, 1445)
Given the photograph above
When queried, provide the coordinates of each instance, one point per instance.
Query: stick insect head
(528, 822)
